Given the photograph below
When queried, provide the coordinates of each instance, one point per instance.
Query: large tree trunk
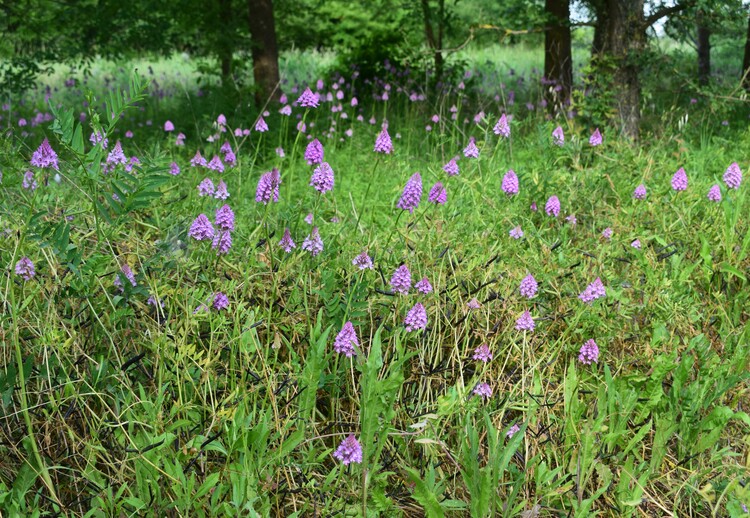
(624, 42)
(558, 56)
(704, 50)
(265, 52)
(746, 60)
(600, 29)
(226, 49)
(435, 41)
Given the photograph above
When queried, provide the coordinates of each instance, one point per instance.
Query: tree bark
(226, 50)
(558, 55)
(746, 60)
(600, 29)
(265, 52)
(434, 42)
(703, 42)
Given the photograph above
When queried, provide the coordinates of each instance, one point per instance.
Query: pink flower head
(482, 353)
(733, 176)
(423, 286)
(201, 228)
(596, 138)
(221, 301)
(179, 141)
(528, 287)
(313, 243)
(168, 126)
(607, 233)
(451, 168)
(308, 99)
(206, 187)
(346, 341)
(29, 183)
(314, 152)
(589, 353)
(44, 156)
(558, 137)
(25, 268)
(412, 194)
(483, 390)
(552, 208)
(471, 150)
(416, 318)
(322, 178)
(640, 192)
(174, 169)
(473, 304)
(401, 280)
(221, 192)
(510, 183)
(222, 242)
(525, 322)
(286, 242)
(438, 195)
(502, 127)
(593, 291)
(714, 193)
(268, 187)
(363, 261)
(261, 126)
(198, 160)
(383, 143)
(225, 218)
(349, 451)
(680, 180)
(516, 232)
(636, 244)
(216, 164)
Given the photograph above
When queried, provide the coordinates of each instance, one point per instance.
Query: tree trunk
(434, 42)
(226, 49)
(600, 29)
(558, 56)
(746, 60)
(704, 50)
(624, 42)
(265, 52)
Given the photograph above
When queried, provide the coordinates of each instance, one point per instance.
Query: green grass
(137, 410)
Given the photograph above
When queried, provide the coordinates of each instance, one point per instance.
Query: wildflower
(153, 301)
(268, 187)
(99, 138)
(222, 242)
(528, 287)
(525, 322)
(451, 167)
(221, 120)
(116, 156)
(552, 208)
(593, 291)
(636, 244)
(423, 286)
(533, 207)
(322, 178)
(225, 218)
(129, 275)
(482, 353)
(596, 138)
(438, 195)
(473, 304)
(572, 219)
(412, 194)
(589, 353)
(174, 169)
(206, 187)
(286, 242)
(216, 165)
(132, 163)
(286, 110)
(383, 142)
(416, 318)
(483, 390)
(261, 126)
(640, 192)
(308, 99)
(202, 308)
(558, 137)
(25, 268)
(280, 152)
(346, 341)
(349, 451)
(471, 150)
(513, 430)
(502, 127)
(680, 180)
(401, 280)
(314, 152)
(201, 228)
(29, 183)
(363, 261)
(313, 243)
(309, 218)
(479, 117)
(44, 156)
(714, 193)
(510, 183)
(733, 176)
(198, 160)
(516, 232)
(168, 126)
(179, 141)
(128, 134)
(221, 191)
(607, 233)
(221, 301)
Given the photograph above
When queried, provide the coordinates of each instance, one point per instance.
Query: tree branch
(665, 11)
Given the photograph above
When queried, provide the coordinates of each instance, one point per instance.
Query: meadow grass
(113, 405)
